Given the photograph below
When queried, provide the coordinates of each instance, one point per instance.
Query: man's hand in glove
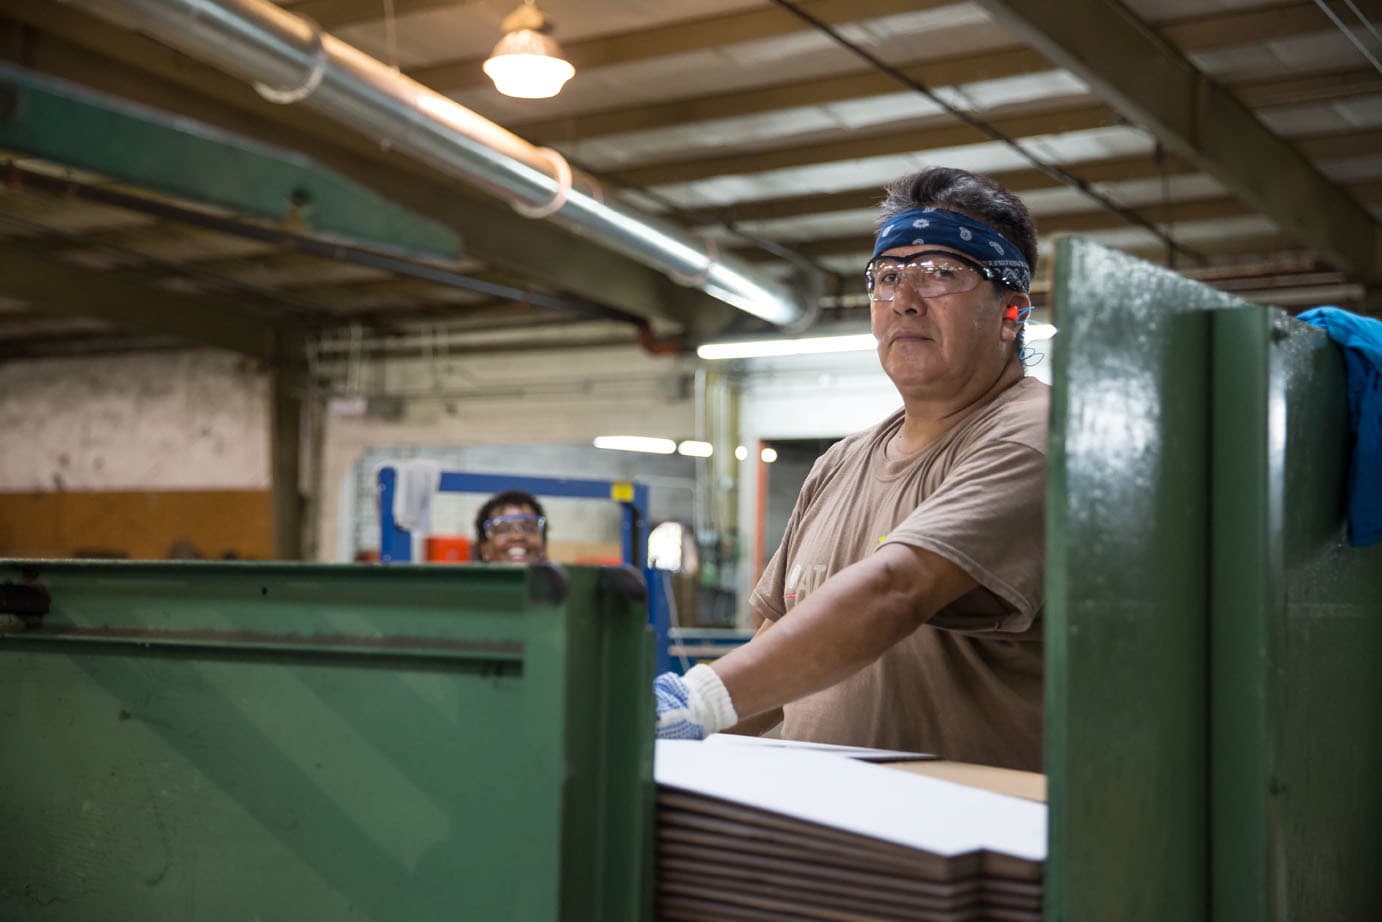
(693, 706)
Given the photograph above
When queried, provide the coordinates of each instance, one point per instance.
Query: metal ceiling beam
(1290, 91)
(1342, 144)
(1235, 247)
(65, 346)
(680, 38)
(470, 318)
(332, 14)
(944, 72)
(59, 122)
(133, 302)
(1245, 27)
(164, 239)
(399, 291)
(1174, 213)
(942, 131)
(1112, 169)
(1178, 212)
(62, 42)
(1155, 85)
(34, 325)
(1191, 33)
(1122, 169)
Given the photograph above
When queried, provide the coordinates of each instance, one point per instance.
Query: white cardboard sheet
(937, 816)
(850, 752)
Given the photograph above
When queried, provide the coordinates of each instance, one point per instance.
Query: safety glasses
(518, 523)
(929, 273)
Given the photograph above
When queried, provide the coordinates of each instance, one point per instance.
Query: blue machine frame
(396, 544)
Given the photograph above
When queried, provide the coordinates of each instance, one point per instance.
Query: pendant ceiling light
(527, 62)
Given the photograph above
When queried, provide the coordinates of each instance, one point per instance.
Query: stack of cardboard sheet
(773, 833)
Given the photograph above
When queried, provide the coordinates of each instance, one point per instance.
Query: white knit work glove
(693, 706)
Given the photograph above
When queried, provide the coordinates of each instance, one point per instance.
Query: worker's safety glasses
(930, 273)
(518, 523)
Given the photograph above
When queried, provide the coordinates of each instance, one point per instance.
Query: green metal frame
(1296, 634)
(76, 127)
(210, 741)
(1211, 740)
(1127, 566)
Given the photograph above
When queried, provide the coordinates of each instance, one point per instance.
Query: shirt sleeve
(987, 518)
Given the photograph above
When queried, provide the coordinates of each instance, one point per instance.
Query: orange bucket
(448, 549)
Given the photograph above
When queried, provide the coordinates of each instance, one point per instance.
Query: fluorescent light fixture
(694, 449)
(769, 455)
(636, 443)
(1037, 332)
(809, 345)
(741, 453)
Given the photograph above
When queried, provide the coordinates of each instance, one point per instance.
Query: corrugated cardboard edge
(1009, 781)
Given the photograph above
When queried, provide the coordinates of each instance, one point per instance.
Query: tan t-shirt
(968, 684)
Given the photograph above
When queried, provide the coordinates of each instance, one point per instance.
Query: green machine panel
(1296, 634)
(1126, 601)
(1212, 741)
(232, 741)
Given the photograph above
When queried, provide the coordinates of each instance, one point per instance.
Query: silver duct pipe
(291, 61)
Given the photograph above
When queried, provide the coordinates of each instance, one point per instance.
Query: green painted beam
(62, 42)
(133, 302)
(1150, 81)
(73, 126)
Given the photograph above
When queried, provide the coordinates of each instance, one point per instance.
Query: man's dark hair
(972, 194)
(499, 501)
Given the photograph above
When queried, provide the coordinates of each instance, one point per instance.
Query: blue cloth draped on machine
(1361, 341)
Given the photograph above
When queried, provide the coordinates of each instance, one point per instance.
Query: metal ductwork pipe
(291, 61)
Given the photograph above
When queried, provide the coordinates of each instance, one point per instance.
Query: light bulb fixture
(695, 449)
(768, 455)
(528, 62)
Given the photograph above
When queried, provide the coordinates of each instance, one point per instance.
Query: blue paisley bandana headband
(939, 227)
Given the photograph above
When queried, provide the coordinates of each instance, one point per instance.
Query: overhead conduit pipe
(291, 61)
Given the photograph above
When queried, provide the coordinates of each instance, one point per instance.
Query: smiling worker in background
(511, 528)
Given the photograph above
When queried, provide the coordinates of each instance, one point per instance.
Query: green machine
(190, 741)
(1213, 644)
(207, 742)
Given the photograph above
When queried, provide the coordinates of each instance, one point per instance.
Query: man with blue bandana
(903, 607)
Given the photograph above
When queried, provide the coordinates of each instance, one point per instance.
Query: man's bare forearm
(840, 628)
